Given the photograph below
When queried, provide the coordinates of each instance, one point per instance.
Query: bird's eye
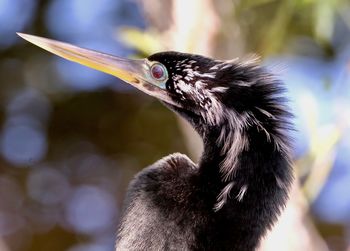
(159, 72)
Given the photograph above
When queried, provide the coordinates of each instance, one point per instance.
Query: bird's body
(176, 204)
(235, 193)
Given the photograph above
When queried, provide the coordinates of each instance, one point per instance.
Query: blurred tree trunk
(3, 246)
(193, 26)
(294, 229)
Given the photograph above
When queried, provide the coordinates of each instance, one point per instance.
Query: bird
(235, 193)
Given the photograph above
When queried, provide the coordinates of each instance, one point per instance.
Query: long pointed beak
(135, 72)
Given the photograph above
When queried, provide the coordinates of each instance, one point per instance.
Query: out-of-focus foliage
(283, 20)
(145, 43)
(70, 138)
(267, 25)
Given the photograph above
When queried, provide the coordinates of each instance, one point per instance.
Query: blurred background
(71, 138)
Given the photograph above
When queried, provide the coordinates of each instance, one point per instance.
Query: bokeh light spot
(91, 210)
(14, 16)
(23, 145)
(47, 186)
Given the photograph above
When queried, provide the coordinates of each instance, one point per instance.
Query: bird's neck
(239, 157)
(251, 194)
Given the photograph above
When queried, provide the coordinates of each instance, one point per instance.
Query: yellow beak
(135, 72)
(125, 69)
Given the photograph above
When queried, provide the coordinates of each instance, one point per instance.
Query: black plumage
(224, 202)
(236, 192)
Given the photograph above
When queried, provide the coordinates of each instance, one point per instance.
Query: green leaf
(147, 42)
(324, 20)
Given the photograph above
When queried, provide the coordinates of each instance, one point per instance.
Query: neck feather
(245, 146)
(252, 174)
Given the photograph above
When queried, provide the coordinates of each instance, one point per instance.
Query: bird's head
(210, 92)
(205, 91)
